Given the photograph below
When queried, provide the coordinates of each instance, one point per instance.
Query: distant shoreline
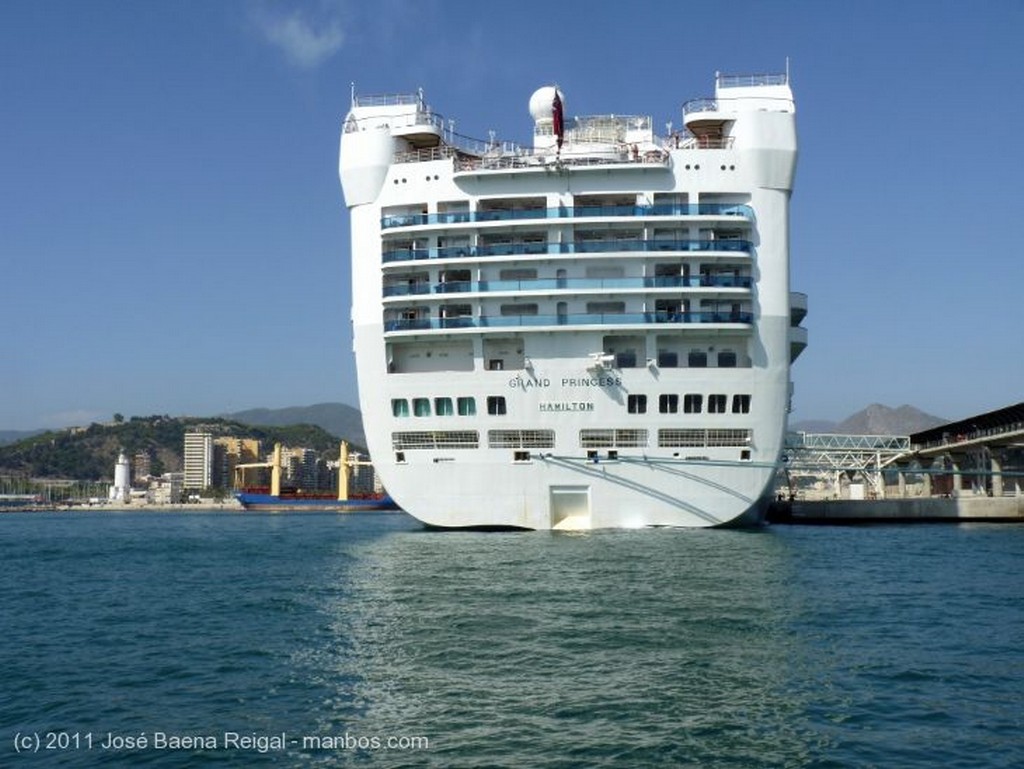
(228, 505)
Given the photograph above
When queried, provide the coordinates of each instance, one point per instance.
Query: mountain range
(876, 419)
(339, 419)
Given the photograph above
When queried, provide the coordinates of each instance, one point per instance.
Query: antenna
(353, 93)
(787, 70)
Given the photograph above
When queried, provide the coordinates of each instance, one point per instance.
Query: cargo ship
(280, 497)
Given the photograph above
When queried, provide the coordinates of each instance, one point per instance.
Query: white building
(198, 460)
(165, 490)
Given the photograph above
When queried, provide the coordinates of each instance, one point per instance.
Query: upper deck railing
(748, 81)
(388, 100)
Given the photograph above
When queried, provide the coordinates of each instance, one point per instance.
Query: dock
(920, 510)
(969, 470)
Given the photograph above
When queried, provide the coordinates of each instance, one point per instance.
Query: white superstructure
(592, 332)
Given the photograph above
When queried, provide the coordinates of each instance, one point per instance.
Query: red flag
(557, 123)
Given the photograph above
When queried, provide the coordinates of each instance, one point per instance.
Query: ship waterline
(541, 346)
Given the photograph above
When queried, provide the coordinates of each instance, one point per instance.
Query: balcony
(549, 322)
(797, 342)
(574, 285)
(573, 247)
(797, 307)
(732, 210)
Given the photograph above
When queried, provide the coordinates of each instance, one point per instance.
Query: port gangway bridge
(813, 455)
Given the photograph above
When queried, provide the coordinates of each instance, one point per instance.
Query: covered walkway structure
(983, 454)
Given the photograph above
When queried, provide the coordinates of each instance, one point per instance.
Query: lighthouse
(121, 490)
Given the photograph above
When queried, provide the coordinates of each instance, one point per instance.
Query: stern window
(636, 404)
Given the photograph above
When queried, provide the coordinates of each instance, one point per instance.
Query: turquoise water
(233, 640)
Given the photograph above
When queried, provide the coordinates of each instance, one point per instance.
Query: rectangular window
(518, 273)
(693, 403)
(456, 310)
(668, 403)
(716, 404)
(467, 407)
(443, 407)
(629, 438)
(677, 438)
(700, 438)
(435, 439)
(597, 439)
(741, 404)
(518, 309)
(697, 359)
(399, 407)
(607, 438)
(496, 405)
(636, 404)
(625, 359)
(728, 438)
(668, 359)
(606, 308)
(521, 439)
(421, 407)
(727, 359)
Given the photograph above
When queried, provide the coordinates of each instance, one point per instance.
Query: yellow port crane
(345, 465)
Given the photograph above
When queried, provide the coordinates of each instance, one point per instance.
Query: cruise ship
(594, 331)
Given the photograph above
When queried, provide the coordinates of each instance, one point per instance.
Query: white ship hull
(591, 336)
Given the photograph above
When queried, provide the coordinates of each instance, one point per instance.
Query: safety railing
(576, 319)
(738, 210)
(569, 284)
(574, 247)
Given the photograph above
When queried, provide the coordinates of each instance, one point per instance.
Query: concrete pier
(918, 510)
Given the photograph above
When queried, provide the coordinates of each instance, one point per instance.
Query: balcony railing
(579, 319)
(574, 247)
(570, 284)
(460, 217)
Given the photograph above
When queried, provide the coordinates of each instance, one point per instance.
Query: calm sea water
(234, 640)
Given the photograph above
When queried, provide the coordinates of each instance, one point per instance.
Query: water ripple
(787, 647)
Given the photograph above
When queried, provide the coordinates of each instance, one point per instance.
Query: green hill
(90, 453)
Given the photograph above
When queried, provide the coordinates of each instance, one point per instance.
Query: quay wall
(920, 509)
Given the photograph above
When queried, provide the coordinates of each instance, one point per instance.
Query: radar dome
(541, 101)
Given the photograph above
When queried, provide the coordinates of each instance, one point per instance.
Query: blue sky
(173, 239)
